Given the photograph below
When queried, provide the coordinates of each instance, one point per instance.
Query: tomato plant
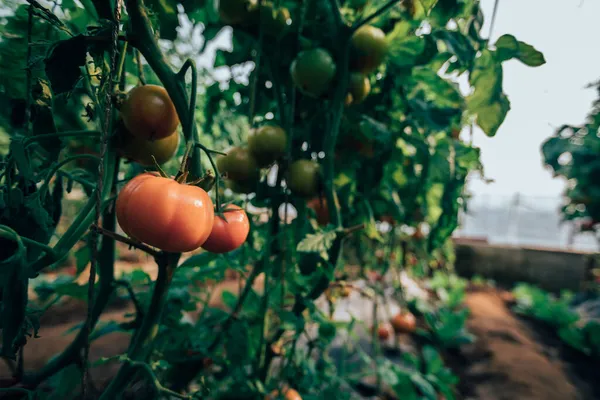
(278, 130)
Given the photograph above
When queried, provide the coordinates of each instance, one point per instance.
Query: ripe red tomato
(267, 144)
(404, 323)
(358, 87)
(383, 333)
(239, 165)
(230, 233)
(164, 213)
(320, 207)
(141, 150)
(235, 11)
(312, 71)
(303, 178)
(149, 113)
(369, 48)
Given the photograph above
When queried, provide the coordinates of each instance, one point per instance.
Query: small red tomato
(404, 323)
(383, 333)
(228, 233)
(164, 213)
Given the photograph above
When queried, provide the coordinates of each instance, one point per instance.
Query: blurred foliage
(573, 153)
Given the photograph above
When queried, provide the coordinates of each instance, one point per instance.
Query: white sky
(542, 98)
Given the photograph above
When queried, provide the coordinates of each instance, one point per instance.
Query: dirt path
(506, 362)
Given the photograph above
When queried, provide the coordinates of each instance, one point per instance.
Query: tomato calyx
(223, 209)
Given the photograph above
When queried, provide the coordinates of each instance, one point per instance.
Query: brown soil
(507, 361)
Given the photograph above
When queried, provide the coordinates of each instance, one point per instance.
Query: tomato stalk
(83, 220)
(141, 344)
(378, 13)
(38, 138)
(142, 37)
(44, 188)
(106, 273)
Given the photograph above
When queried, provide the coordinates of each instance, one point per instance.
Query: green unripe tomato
(358, 87)
(239, 165)
(369, 49)
(234, 12)
(312, 71)
(303, 178)
(267, 144)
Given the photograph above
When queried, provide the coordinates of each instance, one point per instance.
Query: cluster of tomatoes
(163, 212)
(267, 145)
(313, 71)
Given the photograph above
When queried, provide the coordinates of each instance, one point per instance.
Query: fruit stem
(382, 10)
(142, 37)
(123, 239)
(217, 177)
(38, 138)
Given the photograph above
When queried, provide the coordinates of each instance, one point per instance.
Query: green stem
(217, 177)
(382, 10)
(33, 243)
(122, 59)
(141, 344)
(106, 288)
(44, 188)
(143, 39)
(83, 220)
(39, 138)
(156, 383)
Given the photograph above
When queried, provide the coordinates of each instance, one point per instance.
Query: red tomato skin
(163, 213)
(228, 235)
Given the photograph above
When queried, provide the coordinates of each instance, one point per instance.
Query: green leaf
(433, 361)
(165, 15)
(490, 117)
(229, 299)
(199, 260)
(486, 79)
(63, 62)
(508, 47)
(428, 4)
(82, 257)
(404, 48)
(424, 386)
(319, 242)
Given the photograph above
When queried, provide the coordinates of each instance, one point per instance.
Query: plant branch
(138, 307)
(103, 296)
(115, 236)
(382, 10)
(157, 385)
(337, 15)
(141, 344)
(143, 39)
